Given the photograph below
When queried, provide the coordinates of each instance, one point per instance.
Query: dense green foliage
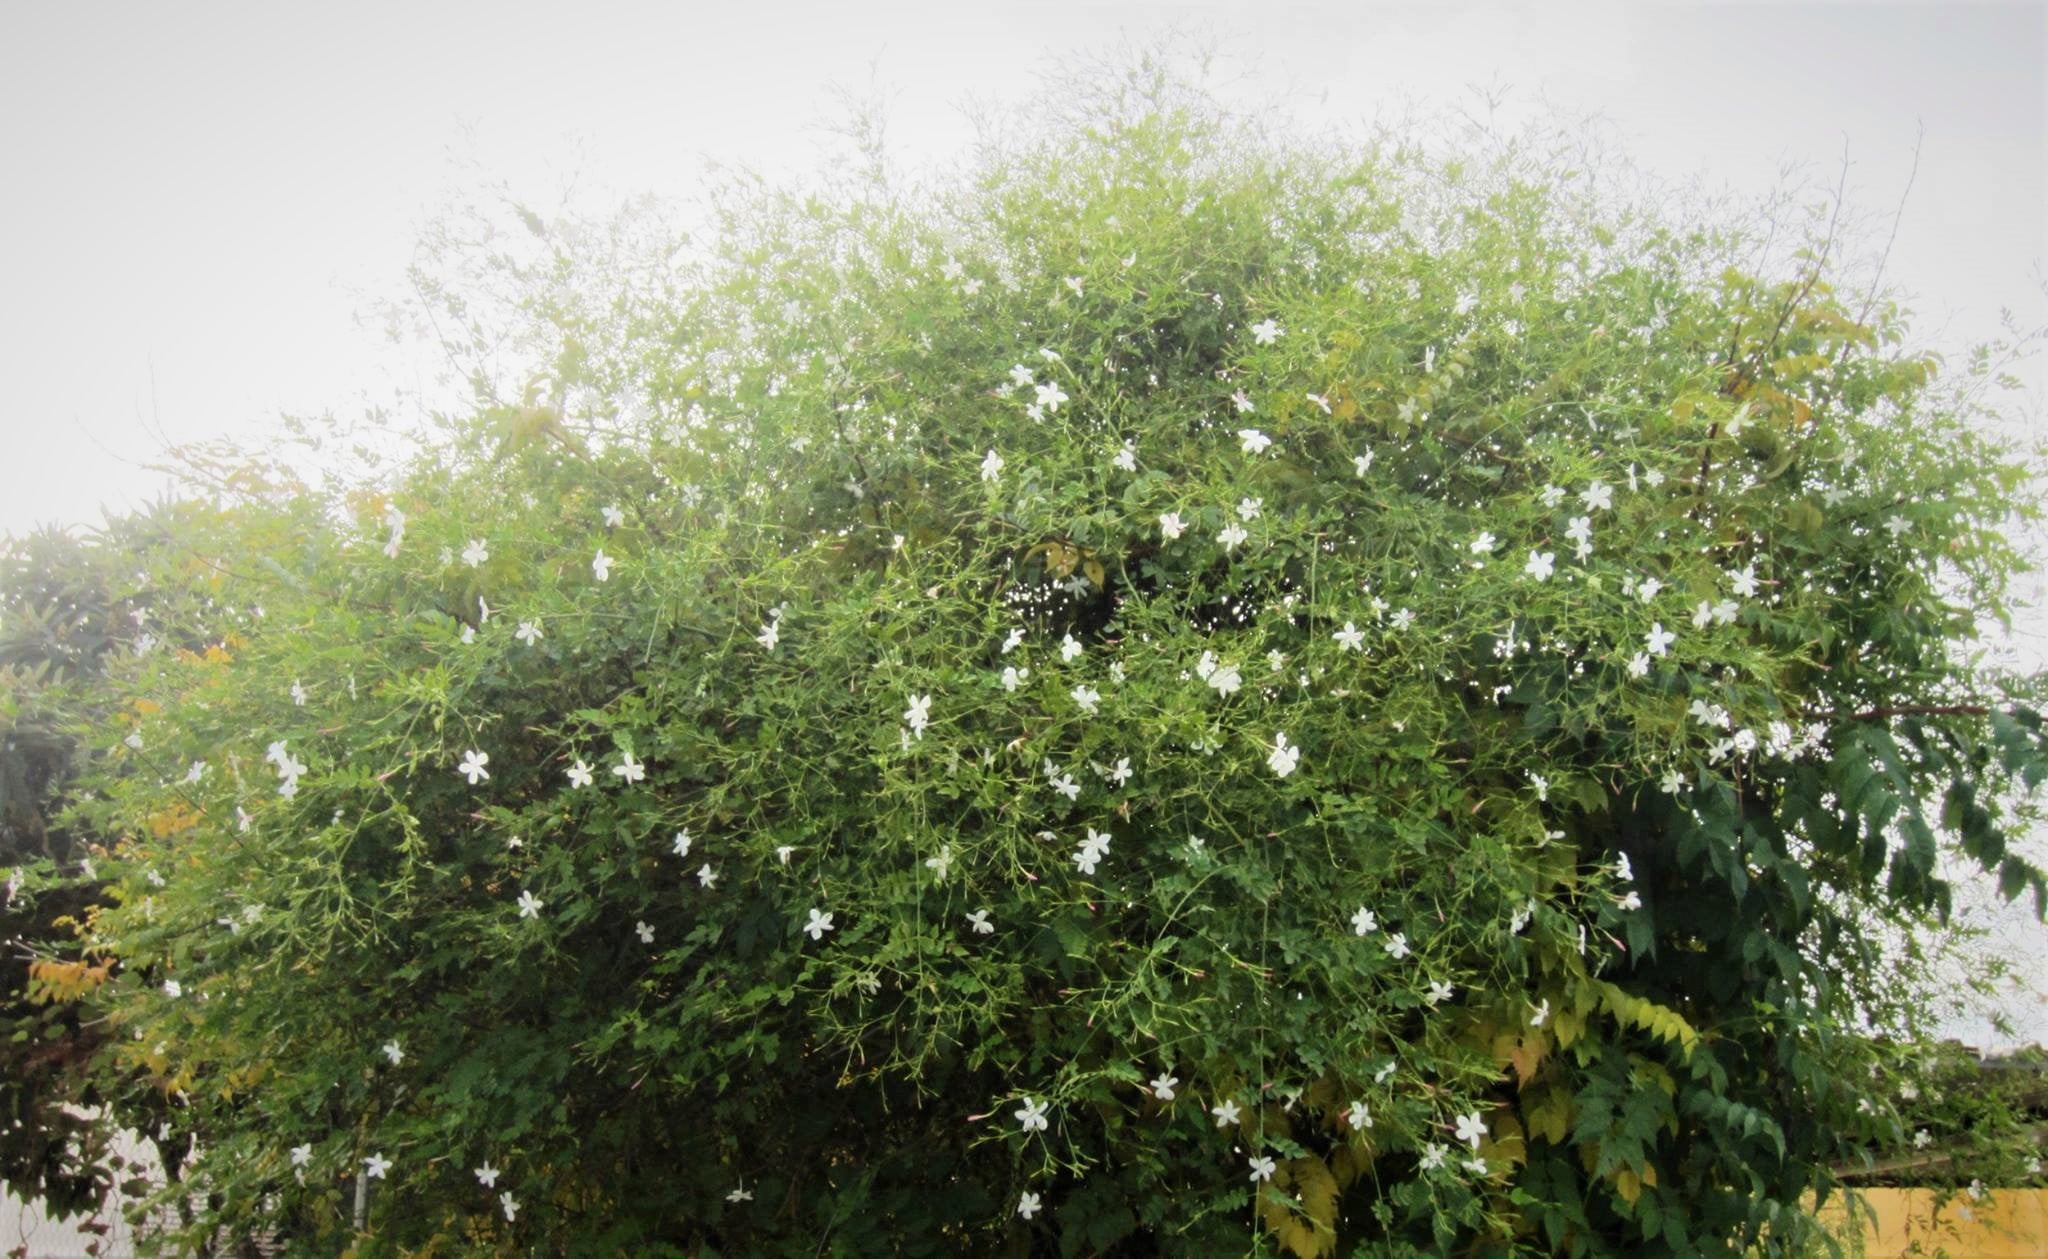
(1176, 693)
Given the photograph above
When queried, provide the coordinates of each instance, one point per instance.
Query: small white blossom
(628, 769)
(1050, 395)
(1088, 698)
(1471, 1128)
(978, 922)
(1031, 1116)
(1350, 638)
(1483, 544)
(613, 517)
(706, 876)
(1027, 1205)
(1163, 1086)
(1262, 1168)
(476, 553)
(1541, 565)
(601, 565)
(376, 1166)
(1013, 677)
(529, 632)
(472, 766)
(1364, 922)
(1265, 332)
(1659, 639)
(991, 466)
(1014, 639)
(529, 905)
(1284, 757)
(644, 931)
(1248, 508)
(818, 924)
(1397, 945)
(1542, 1012)
(1358, 1116)
(918, 715)
(1171, 526)
(1226, 1112)
(1252, 441)
(1232, 536)
(1439, 991)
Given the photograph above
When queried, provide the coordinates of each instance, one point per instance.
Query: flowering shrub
(1178, 693)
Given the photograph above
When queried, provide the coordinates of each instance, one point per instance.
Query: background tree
(1181, 689)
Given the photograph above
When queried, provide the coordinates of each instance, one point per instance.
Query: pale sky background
(200, 197)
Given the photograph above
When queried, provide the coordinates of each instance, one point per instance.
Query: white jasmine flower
(1552, 495)
(771, 634)
(1632, 900)
(529, 905)
(529, 633)
(1397, 945)
(644, 931)
(1171, 525)
(1320, 401)
(1265, 332)
(628, 769)
(1672, 783)
(818, 924)
(1248, 508)
(1898, 525)
(1262, 1168)
(601, 565)
(681, 846)
(1350, 638)
(1580, 531)
(1284, 757)
(1253, 441)
(1648, 590)
(1226, 1112)
(991, 466)
(1050, 395)
(1358, 1116)
(1598, 496)
(173, 989)
(1360, 464)
(298, 693)
(1021, 376)
(302, 1155)
(1127, 458)
(942, 864)
(1163, 1086)
(1743, 583)
(1364, 922)
(1659, 639)
(1471, 1128)
(1433, 1156)
(472, 766)
(1639, 665)
(918, 715)
(1438, 992)
(1027, 1205)
(194, 774)
(1243, 401)
(1069, 648)
(1012, 641)
(1542, 1012)
(376, 1166)
(783, 851)
(1088, 698)
(1542, 786)
(613, 517)
(1232, 536)
(476, 553)
(706, 876)
(1541, 564)
(1483, 544)
(509, 1205)
(1013, 677)
(1031, 1115)
(978, 921)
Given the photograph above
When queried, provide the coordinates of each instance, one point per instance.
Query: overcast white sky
(199, 196)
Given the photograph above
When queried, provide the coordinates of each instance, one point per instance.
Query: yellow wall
(2007, 1224)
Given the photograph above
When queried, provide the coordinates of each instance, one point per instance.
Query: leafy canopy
(1179, 689)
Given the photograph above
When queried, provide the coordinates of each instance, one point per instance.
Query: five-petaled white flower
(529, 905)
(1127, 458)
(818, 924)
(1542, 1012)
(508, 1204)
(1171, 525)
(601, 565)
(475, 554)
(1471, 1128)
(1483, 544)
(1744, 582)
(579, 774)
(978, 921)
(644, 931)
(1361, 464)
(1639, 665)
(302, 1155)
(472, 766)
(629, 769)
(1541, 565)
(1232, 536)
(1013, 677)
(529, 633)
(1050, 395)
(918, 715)
(1252, 441)
(375, 1166)
(1027, 1205)
(1262, 1168)
(706, 876)
(1088, 698)
(1031, 1115)
(1898, 525)
(1249, 508)
(1397, 945)
(1020, 375)
(487, 1175)
(681, 847)
(1069, 648)
(298, 693)
(394, 1052)
(1542, 786)
(1364, 922)
(1599, 496)
(1265, 332)
(991, 466)
(1320, 401)
(613, 517)
(1438, 991)
(1014, 639)
(1163, 1086)
(1350, 638)
(1433, 1155)
(1659, 639)
(1358, 1116)
(1226, 1112)
(1284, 756)
(1243, 401)
(1632, 900)
(942, 863)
